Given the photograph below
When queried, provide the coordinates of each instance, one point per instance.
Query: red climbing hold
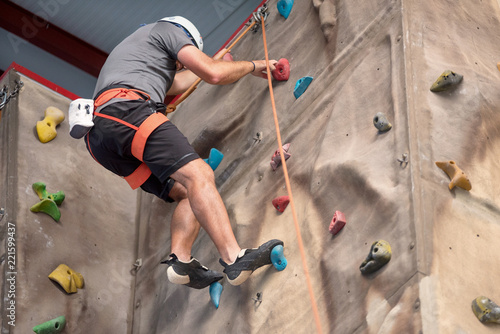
(338, 222)
(282, 71)
(280, 203)
(276, 159)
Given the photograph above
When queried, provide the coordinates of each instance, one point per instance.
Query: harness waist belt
(142, 173)
(119, 93)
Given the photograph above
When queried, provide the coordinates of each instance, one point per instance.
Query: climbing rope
(288, 187)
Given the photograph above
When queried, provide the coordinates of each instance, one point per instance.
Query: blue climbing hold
(215, 292)
(278, 258)
(214, 158)
(301, 86)
(284, 7)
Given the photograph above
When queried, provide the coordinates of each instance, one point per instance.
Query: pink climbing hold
(276, 159)
(338, 222)
(282, 71)
(280, 203)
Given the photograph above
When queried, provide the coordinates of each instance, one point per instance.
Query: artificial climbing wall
(365, 57)
(457, 230)
(95, 235)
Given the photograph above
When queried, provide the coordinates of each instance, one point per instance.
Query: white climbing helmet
(188, 27)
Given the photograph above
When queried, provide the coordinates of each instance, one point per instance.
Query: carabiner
(3, 96)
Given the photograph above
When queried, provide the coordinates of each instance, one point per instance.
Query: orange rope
(288, 187)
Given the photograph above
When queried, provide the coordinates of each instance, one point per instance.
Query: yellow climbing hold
(498, 66)
(456, 175)
(46, 128)
(446, 80)
(67, 278)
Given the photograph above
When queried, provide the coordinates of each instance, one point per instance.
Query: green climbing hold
(40, 189)
(49, 201)
(380, 254)
(52, 326)
(486, 310)
(49, 207)
(447, 80)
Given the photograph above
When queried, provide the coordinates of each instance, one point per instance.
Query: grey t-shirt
(145, 60)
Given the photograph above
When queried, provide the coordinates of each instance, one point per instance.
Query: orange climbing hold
(456, 175)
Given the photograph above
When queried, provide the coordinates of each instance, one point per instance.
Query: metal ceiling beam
(38, 31)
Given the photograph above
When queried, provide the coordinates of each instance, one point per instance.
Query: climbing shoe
(248, 260)
(191, 273)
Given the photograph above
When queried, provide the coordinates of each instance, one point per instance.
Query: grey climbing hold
(446, 80)
(486, 310)
(381, 123)
(258, 137)
(380, 254)
(403, 162)
(257, 300)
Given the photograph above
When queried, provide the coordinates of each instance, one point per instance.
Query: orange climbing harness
(142, 173)
(288, 187)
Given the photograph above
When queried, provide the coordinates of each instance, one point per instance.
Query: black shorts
(167, 149)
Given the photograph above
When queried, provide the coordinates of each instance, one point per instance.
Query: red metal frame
(51, 38)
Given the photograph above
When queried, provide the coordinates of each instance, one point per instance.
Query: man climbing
(132, 138)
